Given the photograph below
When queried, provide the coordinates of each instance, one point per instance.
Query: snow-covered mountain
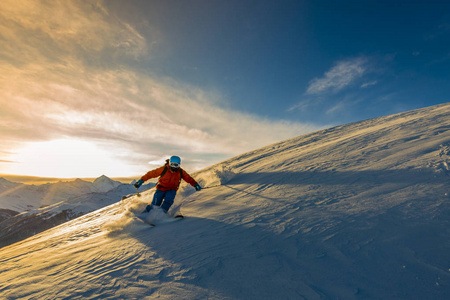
(22, 197)
(52, 204)
(104, 184)
(6, 185)
(359, 211)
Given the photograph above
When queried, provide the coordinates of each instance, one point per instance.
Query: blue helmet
(175, 161)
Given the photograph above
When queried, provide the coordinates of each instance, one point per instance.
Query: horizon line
(30, 179)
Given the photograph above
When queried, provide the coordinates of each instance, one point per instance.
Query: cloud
(64, 74)
(341, 75)
(370, 83)
(54, 30)
(342, 90)
(7, 161)
(140, 114)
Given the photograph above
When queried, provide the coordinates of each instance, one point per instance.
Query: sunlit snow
(359, 211)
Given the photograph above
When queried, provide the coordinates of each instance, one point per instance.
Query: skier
(170, 176)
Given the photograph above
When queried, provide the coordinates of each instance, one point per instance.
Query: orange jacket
(170, 180)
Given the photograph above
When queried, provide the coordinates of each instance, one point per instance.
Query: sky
(115, 87)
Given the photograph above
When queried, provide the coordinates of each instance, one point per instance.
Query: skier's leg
(168, 200)
(157, 200)
(158, 197)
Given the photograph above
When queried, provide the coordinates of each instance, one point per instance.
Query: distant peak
(103, 178)
(104, 183)
(3, 179)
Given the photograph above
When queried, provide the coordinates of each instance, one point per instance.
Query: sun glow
(66, 158)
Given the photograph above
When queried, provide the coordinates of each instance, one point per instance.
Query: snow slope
(359, 211)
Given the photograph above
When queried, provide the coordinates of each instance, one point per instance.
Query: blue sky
(263, 56)
(114, 87)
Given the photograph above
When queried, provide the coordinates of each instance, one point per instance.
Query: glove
(197, 187)
(138, 183)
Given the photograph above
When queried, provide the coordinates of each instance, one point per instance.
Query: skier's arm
(152, 174)
(191, 180)
(188, 178)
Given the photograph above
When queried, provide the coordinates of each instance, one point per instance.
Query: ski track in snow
(359, 211)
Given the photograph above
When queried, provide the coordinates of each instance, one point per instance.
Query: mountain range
(28, 209)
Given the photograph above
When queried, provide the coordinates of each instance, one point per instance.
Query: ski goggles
(174, 165)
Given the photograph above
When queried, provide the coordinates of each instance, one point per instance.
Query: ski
(156, 217)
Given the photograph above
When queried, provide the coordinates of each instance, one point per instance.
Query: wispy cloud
(7, 161)
(64, 74)
(143, 115)
(64, 29)
(341, 89)
(370, 83)
(343, 74)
